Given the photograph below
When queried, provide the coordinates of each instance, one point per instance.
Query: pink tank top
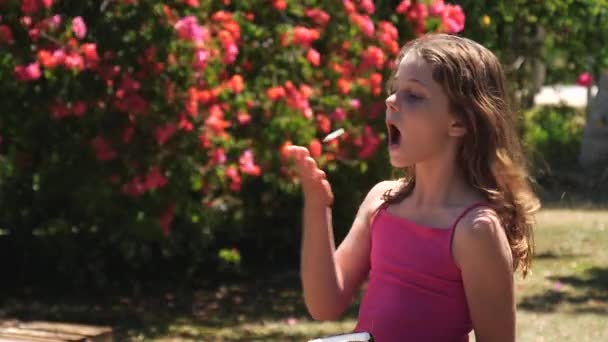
(415, 291)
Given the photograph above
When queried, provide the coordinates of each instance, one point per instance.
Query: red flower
(323, 123)
(280, 5)
(373, 56)
(6, 35)
(453, 19)
(103, 150)
(47, 59)
(283, 150)
(79, 108)
(236, 83)
(343, 85)
(166, 219)
(315, 148)
(313, 57)
(89, 50)
(305, 36)
(165, 132)
(154, 179)
(585, 79)
(275, 93)
(370, 143)
(235, 179)
(319, 16)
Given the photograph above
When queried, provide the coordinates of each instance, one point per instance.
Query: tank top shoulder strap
(467, 210)
(463, 213)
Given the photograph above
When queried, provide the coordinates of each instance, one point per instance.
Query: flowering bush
(127, 119)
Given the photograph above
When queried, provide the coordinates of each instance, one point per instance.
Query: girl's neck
(441, 183)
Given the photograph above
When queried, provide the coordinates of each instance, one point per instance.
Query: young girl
(441, 245)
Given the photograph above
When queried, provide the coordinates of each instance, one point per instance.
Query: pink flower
(200, 59)
(218, 156)
(355, 103)
(403, 6)
(367, 6)
(235, 179)
(74, 61)
(188, 29)
(437, 8)
(247, 164)
(365, 24)
(453, 18)
(557, 286)
(243, 118)
(313, 57)
(134, 188)
(339, 114)
(192, 3)
(28, 73)
(32, 71)
(370, 143)
(79, 27)
(230, 53)
(584, 79)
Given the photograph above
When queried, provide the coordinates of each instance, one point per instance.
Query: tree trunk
(594, 145)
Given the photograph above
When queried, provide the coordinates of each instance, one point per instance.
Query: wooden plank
(80, 329)
(63, 336)
(11, 338)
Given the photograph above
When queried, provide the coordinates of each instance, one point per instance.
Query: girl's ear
(457, 128)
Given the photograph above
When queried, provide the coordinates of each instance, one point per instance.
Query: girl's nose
(391, 103)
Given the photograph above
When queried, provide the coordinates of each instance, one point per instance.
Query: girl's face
(419, 123)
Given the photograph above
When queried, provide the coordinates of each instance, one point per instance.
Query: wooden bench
(41, 331)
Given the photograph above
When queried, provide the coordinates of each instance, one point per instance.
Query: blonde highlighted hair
(490, 155)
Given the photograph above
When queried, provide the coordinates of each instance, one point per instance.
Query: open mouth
(394, 135)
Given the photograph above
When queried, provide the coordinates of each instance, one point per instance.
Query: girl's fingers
(320, 174)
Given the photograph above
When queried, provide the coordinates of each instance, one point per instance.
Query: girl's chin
(399, 163)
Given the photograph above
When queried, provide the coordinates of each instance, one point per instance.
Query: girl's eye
(409, 96)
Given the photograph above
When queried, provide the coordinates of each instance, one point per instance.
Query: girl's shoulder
(376, 194)
(480, 232)
(375, 197)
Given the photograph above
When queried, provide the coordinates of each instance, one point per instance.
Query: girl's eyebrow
(415, 80)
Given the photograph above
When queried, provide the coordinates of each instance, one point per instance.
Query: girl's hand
(316, 188)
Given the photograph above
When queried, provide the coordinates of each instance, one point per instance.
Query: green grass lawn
(565, 298)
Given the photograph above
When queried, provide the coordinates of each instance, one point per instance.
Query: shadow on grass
(590, 294)
(267, 299)
(549, 255)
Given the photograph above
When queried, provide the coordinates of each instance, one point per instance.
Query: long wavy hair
(490, 154)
